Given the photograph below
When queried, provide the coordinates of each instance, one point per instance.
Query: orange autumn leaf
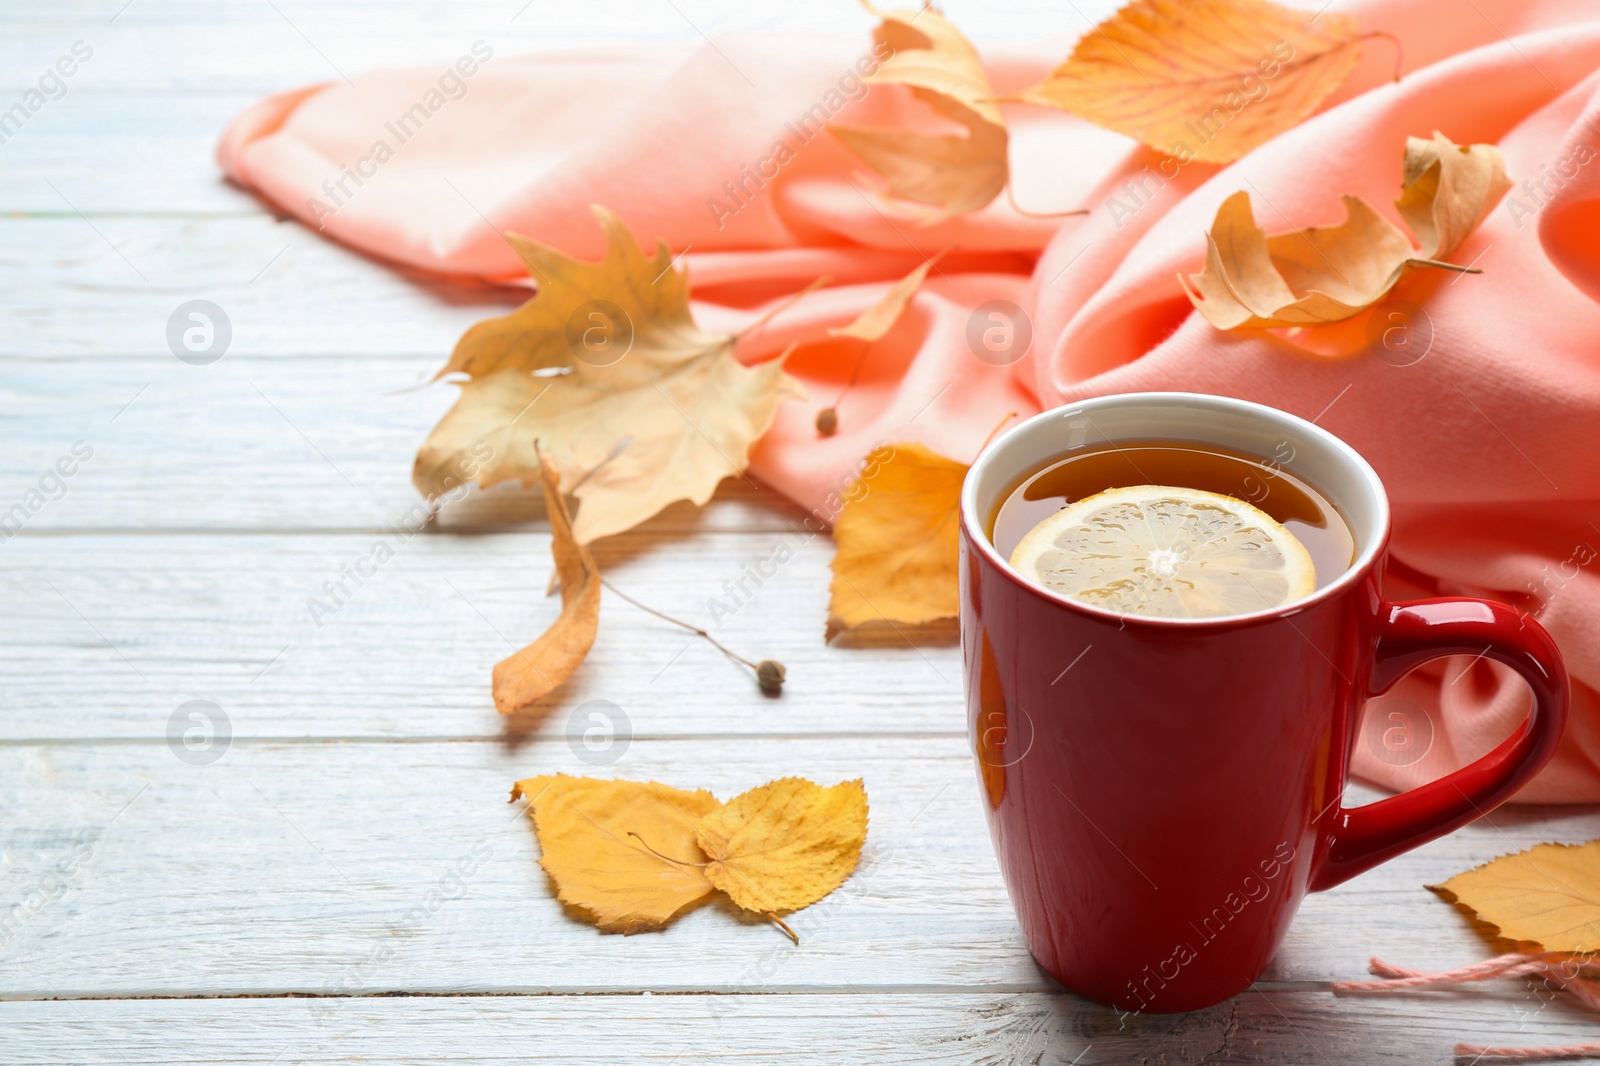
(622, 851)
(1547, 896)
(953, 173)
(785, 845)
(636, 404)
(529, 675)
(896, 537)
(1203, 80)
(1330, 273)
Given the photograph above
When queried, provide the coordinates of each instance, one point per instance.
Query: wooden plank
(167, 171)
(109, 287)
(242, 445)
(373, 868)
(121, 629)
(318, 868)
(195, 46)
(1299, 1028)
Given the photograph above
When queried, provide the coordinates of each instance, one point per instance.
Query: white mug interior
(1329, 464)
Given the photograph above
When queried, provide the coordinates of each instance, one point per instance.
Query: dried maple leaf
(954, 173)
(636, 404)
(1329, 273)
(1203, 80)
(1548, 896)
(896, 537)
(528, 675)
(624, 851)
(786, 844)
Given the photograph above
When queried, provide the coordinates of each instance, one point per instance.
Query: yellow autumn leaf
(637, 406)
(786, 844)
(1203, 80)
(953, 173)
(896, 537)
(529, 675)
(1330, 273)
(1547, 896)
(623, 851)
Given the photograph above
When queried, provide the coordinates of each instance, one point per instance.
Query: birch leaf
(1203, 80)
(631, 855)
(953, 173)
(622, 851)
(896, 536)
(1548, 896)
(784, 845)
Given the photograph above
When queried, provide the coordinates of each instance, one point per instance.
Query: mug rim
(973, 524)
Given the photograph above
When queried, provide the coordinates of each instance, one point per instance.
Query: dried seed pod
(769, 675)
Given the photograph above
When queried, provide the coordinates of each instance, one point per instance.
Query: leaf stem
(781, 924)
(1447, 266)
(1019, 209)
(730, 653)
(1399, 49)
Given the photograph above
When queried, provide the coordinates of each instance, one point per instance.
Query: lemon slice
(1168, 553)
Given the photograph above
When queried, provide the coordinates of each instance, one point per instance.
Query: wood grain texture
(871, 1029)
(357, 867)
(145, 622)
(255, 445)
(107, 286)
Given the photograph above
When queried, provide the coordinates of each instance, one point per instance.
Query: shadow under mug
(1162, 793)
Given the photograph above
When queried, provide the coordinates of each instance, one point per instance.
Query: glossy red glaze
(1161, 797)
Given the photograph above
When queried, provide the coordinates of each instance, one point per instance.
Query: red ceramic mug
(1162, 793)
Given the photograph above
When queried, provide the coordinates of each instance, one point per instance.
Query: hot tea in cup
(1172, 529)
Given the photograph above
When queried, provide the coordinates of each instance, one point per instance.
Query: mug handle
(1408, 635)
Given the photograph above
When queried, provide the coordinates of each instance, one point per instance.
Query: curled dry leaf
(784, 845)
(896, 537)
(1547, 896)
(1448, 190)
(953, 173)
(528, 675)
(1203, 80)
(636, 404)
(623, 851)
(1329, 273)
(871, 325)
(878, 319)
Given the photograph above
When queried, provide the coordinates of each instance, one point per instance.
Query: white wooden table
(344, 881)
